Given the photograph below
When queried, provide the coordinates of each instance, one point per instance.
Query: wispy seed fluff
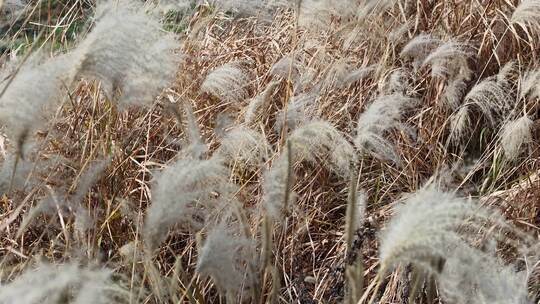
(320, 142)
(229, 258)
(71, 204)
(450, 61)
(244, 147)
(32, 94)
(472, 276)
(516, 134)
(284, 67)
(383, 115)
(419, 48)
(52, 284)
(526, 15)
(258, 105)
(229, 82)
(492, 98)
(185, 194)
(317, 14)
(301, 109)
(341, 74)
(127, 51)
(244, 8)
(530, 84)
(429, 222)
(278, 194)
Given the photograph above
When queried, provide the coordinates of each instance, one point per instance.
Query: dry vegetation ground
(309, 253)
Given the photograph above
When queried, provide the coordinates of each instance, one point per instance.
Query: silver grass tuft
(259, 104)
(526, 14)
(278, 195)
(228, 257)
(383, 115)
(127, 51)
(301, 109)
(244, 147)
(492, 98)
(530, 84)
(398, 82)
(262, 9)
(70, 201)
(341, 74)
(373, 8)
(317, 14)
(285, 66)
(429, 222)
(472, 276)
(53, 284)
(320, 142)
(359, 74)
(228, 82)
(449, 59)
(515, 134)
(419, 48)
(30, 95)
(184, 194)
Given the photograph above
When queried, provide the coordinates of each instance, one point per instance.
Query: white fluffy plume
(515, 134)
(228, 82)
(383, 115)
(184, 194)
(320, 142)
(244, 147)
(51, 284)
(127, 51)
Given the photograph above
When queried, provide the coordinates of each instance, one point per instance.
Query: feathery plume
(530, 84)
(380, 117)
(277, 186)
(229, 258)
(259, 104)
(263, 9)
(31, 94)
(449, 59)
(359, 74)
(317, 14)
(284, 66)
(245, 147)
(127, 51)
(300, 110)
(183, 193)
(398, 82)
(373, 8)
(492, 98)
(472, 276)
(175, 5)
(70, 201)
(10, 11)
(526, 15)
(419, 48)
(17, 179)
(51, 284)
(455, 90)
(341, 75)
(460, 122)
(228, 82)
(427, 224)
(515, 134)
(319, 141)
